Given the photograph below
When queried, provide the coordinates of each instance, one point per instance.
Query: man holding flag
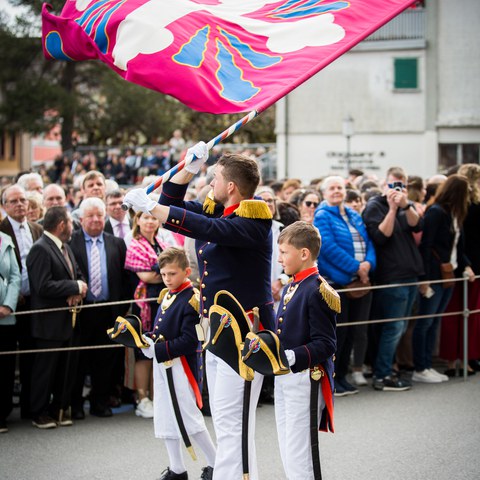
(234, 254)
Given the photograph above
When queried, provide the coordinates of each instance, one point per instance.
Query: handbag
(354, 294)
(447, 272)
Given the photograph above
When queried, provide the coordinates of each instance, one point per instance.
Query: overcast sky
(11, 11)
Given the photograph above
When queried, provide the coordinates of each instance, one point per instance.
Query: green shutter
(406, 73)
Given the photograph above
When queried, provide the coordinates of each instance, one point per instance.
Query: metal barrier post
(466, 314)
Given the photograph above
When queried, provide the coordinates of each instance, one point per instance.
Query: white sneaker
(358, 379)
(144, 408)
(425, 376)
(441, 376)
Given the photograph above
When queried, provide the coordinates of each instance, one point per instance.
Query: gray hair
(24, 180)
(15, 185)
(328, 180)
(91, 202)
(265, 189)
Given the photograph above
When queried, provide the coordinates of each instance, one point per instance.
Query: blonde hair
(472, 172)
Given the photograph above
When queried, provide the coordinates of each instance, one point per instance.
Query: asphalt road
(430, 432)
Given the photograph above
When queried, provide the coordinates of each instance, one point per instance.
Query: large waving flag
(217, 56)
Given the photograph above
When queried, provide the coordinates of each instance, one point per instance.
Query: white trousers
(225, 388)
(164, 420)
(292, 415)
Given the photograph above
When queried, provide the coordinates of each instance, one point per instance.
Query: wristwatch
(409, 205)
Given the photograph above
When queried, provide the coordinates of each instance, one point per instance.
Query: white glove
(139, 200)
(290, 357)
(196, 157)
(149, 351)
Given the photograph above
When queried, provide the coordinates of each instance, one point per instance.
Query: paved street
(431, 432)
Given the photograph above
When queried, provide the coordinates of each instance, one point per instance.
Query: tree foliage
(91, 100)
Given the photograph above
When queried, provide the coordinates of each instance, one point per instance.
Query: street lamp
(347, 131)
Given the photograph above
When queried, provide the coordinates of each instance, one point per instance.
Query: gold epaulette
(254, 209)
(209, 203)
(162, 295)
(330, 295)
(195, 300)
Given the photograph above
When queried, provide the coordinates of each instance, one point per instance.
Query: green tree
(90, 99)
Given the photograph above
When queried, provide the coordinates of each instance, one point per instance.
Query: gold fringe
(330, 295)
(195, 300)
(209, 203)
(254, 209)
(162, 295)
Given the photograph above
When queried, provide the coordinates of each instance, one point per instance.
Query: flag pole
(214, 141)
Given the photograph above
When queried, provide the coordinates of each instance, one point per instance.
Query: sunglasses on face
(308, 203)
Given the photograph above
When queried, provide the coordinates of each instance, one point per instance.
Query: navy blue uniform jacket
(234, 252)
(307, 325)
(177, 325)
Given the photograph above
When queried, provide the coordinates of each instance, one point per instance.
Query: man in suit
(55, 281)
(101, 257)
(117, 222)
(23, 234)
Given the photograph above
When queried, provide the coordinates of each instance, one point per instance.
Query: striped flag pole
(214, 141)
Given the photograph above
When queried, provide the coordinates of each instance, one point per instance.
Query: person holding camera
(390, 220)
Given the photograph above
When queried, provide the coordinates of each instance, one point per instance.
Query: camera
(398, 186)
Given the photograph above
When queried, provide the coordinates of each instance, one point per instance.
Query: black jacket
(118, 278)
(398, 257)
(437, 243)
(51, 282)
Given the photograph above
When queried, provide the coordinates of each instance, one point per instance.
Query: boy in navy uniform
(234, 250)
(306, 327)
(174, 344)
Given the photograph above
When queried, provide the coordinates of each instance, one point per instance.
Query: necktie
(67, 259)
(121, 230)
(25, 244)
(95, 274)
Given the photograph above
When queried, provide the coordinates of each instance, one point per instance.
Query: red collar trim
(229, 210)
(182, 287)
(298, 277)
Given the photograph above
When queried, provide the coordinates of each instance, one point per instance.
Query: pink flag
(218, 56)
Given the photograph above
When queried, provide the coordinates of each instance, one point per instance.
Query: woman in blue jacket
(347, 254)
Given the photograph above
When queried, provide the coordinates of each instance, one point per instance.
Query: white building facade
(412, 90)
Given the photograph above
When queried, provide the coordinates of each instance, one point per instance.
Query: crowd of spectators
(374, 232)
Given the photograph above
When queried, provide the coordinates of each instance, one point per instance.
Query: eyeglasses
(17, 200)
(311, 204)
(269, 200)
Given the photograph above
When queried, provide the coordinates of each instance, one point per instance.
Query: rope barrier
(465, 312)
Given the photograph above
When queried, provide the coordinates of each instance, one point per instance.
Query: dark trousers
(25, 361)
(52, 376)
(353, 310)
(8, 343)
(99, 363)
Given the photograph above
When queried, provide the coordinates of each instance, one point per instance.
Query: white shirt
(24, 238)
